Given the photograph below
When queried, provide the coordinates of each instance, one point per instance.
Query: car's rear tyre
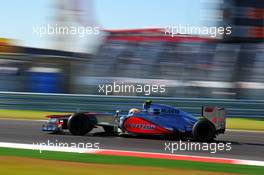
(203, 130)
(80, 124)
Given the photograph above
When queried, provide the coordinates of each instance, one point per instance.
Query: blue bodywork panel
(167, 117)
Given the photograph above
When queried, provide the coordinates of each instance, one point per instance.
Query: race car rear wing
(215, 115)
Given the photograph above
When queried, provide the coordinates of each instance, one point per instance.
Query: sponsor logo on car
(142, 126)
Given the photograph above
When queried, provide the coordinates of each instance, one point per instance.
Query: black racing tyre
(80, 124)
(203, 130)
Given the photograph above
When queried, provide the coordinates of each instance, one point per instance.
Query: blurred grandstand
(189, 66)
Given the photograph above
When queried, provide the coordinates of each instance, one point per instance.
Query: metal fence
(96, 103)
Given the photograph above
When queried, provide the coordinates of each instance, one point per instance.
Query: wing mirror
(156, 111)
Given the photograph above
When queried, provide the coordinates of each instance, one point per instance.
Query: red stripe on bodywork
(137, 125)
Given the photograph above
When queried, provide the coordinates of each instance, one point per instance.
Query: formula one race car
(153, 119)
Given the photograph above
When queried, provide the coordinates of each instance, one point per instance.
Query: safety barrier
(98, 103)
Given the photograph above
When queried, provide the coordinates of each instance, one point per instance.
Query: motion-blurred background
(132, 47)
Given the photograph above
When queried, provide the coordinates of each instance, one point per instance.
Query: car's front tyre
(80, 124)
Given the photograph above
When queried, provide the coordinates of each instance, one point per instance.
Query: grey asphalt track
(245, 145)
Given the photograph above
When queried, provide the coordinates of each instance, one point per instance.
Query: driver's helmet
(133, 111)
(147, 104)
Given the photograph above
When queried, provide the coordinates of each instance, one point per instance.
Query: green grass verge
(232, 123)
(123, 160)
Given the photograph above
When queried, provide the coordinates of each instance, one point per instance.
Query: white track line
(42, 148)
